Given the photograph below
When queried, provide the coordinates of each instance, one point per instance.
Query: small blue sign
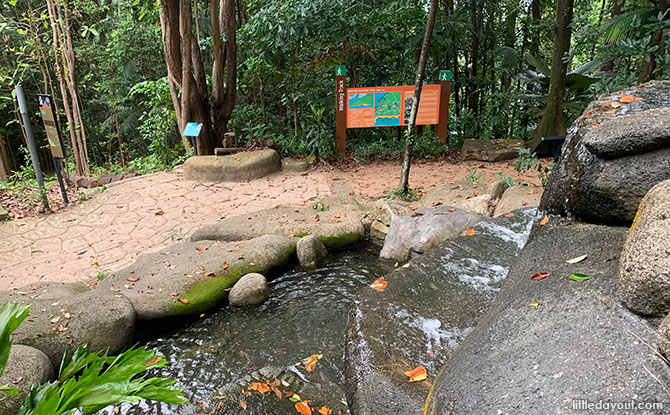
(192, 129)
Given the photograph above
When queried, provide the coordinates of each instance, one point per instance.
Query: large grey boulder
(423, 229)
(465, 194)
(490, 150)
(311, 252)
(664, 336)
(237, 167)
(252, 289)
(428, 308)
(644, 271)
(544, 344)
(26, 367)
(386, 209)
(192, 277)
(613, 155)
(338, 225)
(66, 316)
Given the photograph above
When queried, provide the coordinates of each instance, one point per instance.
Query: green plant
(11, 316)
(397, 193)
(528, 161)
(102, 274)
(473, 177)
(176, 235)
(319, 205)
(508, 180)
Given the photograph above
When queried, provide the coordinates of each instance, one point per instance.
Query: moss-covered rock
(192, 277)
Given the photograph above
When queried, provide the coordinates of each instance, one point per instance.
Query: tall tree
(186, 70)
(403, 186)
(552, 123)
(649, 68)
(617, 8)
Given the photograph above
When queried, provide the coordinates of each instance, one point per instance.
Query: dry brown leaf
(417, 374)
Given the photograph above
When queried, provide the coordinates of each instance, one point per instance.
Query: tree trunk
(5, 171)
(552, 121)
(617, 7)
(403, 186)
(536, 13)
(650, 70)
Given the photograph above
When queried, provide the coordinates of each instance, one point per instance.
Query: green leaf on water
(580, 277)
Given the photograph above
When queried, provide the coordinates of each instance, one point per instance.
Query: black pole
(60, 179)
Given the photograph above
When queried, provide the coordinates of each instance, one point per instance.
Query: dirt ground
(143, 214)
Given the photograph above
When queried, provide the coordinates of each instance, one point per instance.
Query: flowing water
(305, 314)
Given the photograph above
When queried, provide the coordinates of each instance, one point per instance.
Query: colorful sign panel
(46, 109)
(391, 106)
(192, 129)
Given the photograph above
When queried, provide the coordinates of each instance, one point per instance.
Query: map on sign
(391, 106)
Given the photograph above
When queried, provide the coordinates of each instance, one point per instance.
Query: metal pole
(60, 179)
(23, 109)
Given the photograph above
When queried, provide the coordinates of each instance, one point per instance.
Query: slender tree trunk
(617, 7)
(536, 13)
(650, 69)
(552, 121)
(403, 186)
(119, 137)
(5, 171)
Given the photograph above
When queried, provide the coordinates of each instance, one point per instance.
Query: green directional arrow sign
(341, 70)
(445, 75)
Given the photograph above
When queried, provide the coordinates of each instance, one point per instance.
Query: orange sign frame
(390, 106)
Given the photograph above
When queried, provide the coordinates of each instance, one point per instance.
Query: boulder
(26, 367)
(66, 316)
(428, 308)
(613, 155)
(378, 230)
(88, 183)
(339, 225)
(544, 345)
(664, 336)
(251, 289)
(238, 167)
(386, 209)
(423, 229)
(4, 215)
(311, 252)
(192, 277)
(491, 150)
(644, 270)
(518, 197)
(465, 194)
(294, 166)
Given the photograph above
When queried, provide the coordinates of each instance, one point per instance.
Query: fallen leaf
(152, 361)
(317, 218)
(544, 221)
(55, 319)
(225, 264)
(183, 301)
(202, 248)
(243, 404)
(468, 232)
(17, 380)
(33, 287)
(303, 408)
(294, 397)
(580, 277)
(540, 276)
(276, 391)
(324, 410)
(134, 279)
(451, 210)
(380, 284)
(576, 260)
(610, 112)
(416, 375)
(508, 215)
(415, 214)
(535, 304)
(159, 212)
(310, 362)
(627, 99)
(596, 125)
(259, 387)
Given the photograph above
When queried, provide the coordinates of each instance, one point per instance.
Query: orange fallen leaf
(627, 99)
(310, 362)
(303, 408)
(469, 232)
(416, 375)
(276, 391)
(596, 125)
(243, 404)
(324, 410)
(152, 361)
(540, 276)
(159, 212)
(609, 112)
(225, 264)
(508, 215)
(202, 248)
(133, 279)
(259, 387)
(415, 214)
(183, 301)
(544, 221)
(452, 210)
(317, 218)
(380, 284)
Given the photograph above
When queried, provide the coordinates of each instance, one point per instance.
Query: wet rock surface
(26, 367)
(241, 166)
(612, 156)
(311, 252)
(419, 231)
(191, 277)
(517, 197)
(664, 337)
(465, 194)
(578, 343)
(644, 271)
(428, 308)
(338, 225)
(66, 316)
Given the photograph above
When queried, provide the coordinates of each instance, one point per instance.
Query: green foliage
(473, 177)
(319, 205)
(526, 161)
(91, 381)
(11, 316)
(176, 235)
(397, 193)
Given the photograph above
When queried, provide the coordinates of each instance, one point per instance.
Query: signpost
(389, 106)
(192, 130)
(48, 109)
